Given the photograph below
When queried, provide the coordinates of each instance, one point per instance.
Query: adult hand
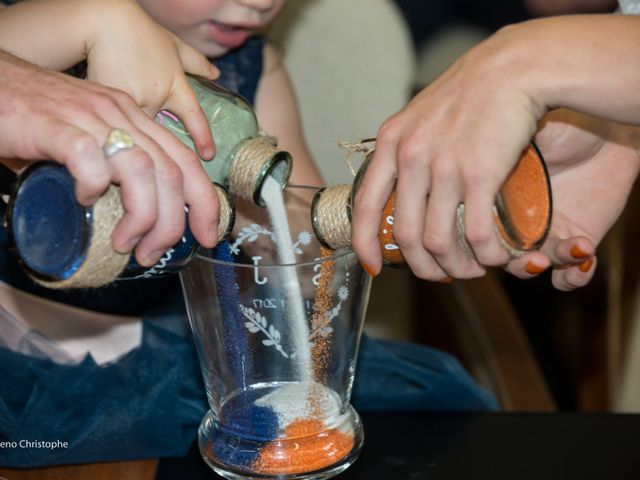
(459, 138)
(49, 115)
(592, 166)
(455, 142)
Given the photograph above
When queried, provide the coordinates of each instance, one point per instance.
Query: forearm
(590, 63)
(55, 34)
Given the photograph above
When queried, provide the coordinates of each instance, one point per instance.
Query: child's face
(213, 26)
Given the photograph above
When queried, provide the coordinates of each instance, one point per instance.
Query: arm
(457, 140)
(277, 112)
(114, 36)
(49, 115)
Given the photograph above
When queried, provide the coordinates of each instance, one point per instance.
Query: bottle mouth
(524, 203)
(48, 229)
(278, 166)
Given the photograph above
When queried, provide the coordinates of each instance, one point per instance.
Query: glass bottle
(244, 157)
(62, 244)
(522, 211)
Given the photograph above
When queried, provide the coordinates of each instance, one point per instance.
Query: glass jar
(522, 211)
(277, 345)
(64, 245)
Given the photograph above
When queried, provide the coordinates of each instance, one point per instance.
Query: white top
(629, 7)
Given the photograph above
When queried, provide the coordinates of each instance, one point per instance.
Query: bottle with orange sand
(522, 211)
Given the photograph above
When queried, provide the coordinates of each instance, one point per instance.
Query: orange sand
(526, 201)
(306, 448)
(385, 234)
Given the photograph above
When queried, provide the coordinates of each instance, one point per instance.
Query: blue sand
(51, 230)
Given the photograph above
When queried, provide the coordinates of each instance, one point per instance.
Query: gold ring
(116, 141)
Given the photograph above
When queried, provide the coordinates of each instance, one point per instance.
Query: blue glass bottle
(65, 245)
(53, 234)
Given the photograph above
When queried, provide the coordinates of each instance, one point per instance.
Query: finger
(164, 148)
(370, 199)
(202, 199)
(185, 105)
(479, 224)
(80, 152)
(576, 276)
(409, 222)
(170, 222)
(139, 197)
(570, 251)
(529, 265)
(440, 231)
(194, 62)
(198, 189)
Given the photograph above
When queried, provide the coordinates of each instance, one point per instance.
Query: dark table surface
(514, 446)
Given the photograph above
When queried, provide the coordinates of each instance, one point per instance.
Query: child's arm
(278, 115)
(457, 140)
(50, 115)
(124, 47)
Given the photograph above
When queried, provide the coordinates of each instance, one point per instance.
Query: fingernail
(369, 269)
(127, 247)
(577, 252)
(208, 153)
(533, 269)
(152, 258)
(585, 266)
(446, 280)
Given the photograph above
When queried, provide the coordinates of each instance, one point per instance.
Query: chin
(211, 51)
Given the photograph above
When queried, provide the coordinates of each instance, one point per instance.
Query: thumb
(194, 62)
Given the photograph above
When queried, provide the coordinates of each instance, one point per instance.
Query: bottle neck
(251, 163)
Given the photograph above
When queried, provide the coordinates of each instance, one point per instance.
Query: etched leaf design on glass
(258, 323)
(250, 233)
(323, 326)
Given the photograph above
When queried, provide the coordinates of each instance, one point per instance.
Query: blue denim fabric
(404, 376)
(149, 404)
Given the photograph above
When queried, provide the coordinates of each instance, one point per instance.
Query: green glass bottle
(244, 157)
(72, 248)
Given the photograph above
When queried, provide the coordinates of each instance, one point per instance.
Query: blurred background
(353, 64)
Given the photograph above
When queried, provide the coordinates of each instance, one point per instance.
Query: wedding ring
(116, 141)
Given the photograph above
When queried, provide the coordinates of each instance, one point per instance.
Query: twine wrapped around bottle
(522, 210)
(331, 210)
(255, 159)
(103, 264)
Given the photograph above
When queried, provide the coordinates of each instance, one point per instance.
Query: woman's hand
(459, 138)
(455, 142)
(592, 166)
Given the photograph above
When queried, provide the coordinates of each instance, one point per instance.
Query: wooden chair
(476, 321)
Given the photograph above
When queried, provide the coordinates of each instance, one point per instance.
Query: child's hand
(593, 165)
(130, 51)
